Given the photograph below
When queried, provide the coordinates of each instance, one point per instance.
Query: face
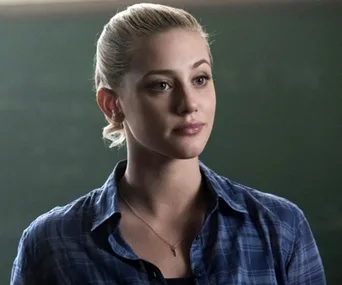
(168, 96)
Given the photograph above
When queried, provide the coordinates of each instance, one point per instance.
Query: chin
(186, 151)
(177, 147)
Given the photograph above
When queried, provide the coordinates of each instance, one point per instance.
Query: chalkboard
(278, 75)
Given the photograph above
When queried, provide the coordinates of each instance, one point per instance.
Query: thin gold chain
(172, 246)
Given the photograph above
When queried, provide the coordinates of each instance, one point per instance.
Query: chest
(224, 260)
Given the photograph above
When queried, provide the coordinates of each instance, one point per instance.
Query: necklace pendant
(173, 249)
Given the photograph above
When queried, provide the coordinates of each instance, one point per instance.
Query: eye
(202, 80)
(160, 86)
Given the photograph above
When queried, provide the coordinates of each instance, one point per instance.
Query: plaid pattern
(249, 237)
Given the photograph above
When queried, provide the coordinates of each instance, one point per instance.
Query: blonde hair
(118, 39)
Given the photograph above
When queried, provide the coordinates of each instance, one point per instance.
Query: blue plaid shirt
(248, 237)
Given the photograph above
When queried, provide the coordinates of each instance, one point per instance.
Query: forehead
(175, 49)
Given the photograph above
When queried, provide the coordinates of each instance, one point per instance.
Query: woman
(163, 217)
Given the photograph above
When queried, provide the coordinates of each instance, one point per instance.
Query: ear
(107, 100)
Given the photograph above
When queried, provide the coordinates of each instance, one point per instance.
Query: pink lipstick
(189, 129)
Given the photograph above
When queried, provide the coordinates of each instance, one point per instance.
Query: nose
(187, 102)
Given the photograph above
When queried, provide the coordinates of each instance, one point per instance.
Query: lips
(189, 129)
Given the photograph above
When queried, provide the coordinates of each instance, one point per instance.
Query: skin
(169, 84)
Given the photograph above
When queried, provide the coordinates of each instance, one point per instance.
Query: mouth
(189, 129)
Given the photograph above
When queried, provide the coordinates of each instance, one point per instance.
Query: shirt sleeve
(22, 270)
(305, 265)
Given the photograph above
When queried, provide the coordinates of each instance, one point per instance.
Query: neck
(161, 186)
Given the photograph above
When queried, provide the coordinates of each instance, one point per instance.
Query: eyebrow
(170, 71)
(200, 62)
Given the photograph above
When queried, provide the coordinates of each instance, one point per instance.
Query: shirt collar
(106, 204)
(224, 189)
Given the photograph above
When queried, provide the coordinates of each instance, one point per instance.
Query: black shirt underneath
(180, 281)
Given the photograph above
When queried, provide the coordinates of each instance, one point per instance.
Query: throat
(159, 186)
(165, 204)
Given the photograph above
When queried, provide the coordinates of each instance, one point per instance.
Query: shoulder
(267, 203)
(252, 201)
(269, 208)
(75, 214)
(277, 220)
(48, 232)
(269, 214)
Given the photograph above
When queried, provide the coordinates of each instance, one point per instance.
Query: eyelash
(206, 77)
(153, 85)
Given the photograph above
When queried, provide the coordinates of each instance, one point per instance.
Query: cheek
(210, 105)
(147, 118)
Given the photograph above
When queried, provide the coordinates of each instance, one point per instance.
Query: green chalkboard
(278, 74)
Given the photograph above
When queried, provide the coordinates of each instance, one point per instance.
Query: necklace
(171, 246)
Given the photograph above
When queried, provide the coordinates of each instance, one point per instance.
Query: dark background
(278, 72)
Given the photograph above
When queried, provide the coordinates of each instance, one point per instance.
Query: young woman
(163, 217)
